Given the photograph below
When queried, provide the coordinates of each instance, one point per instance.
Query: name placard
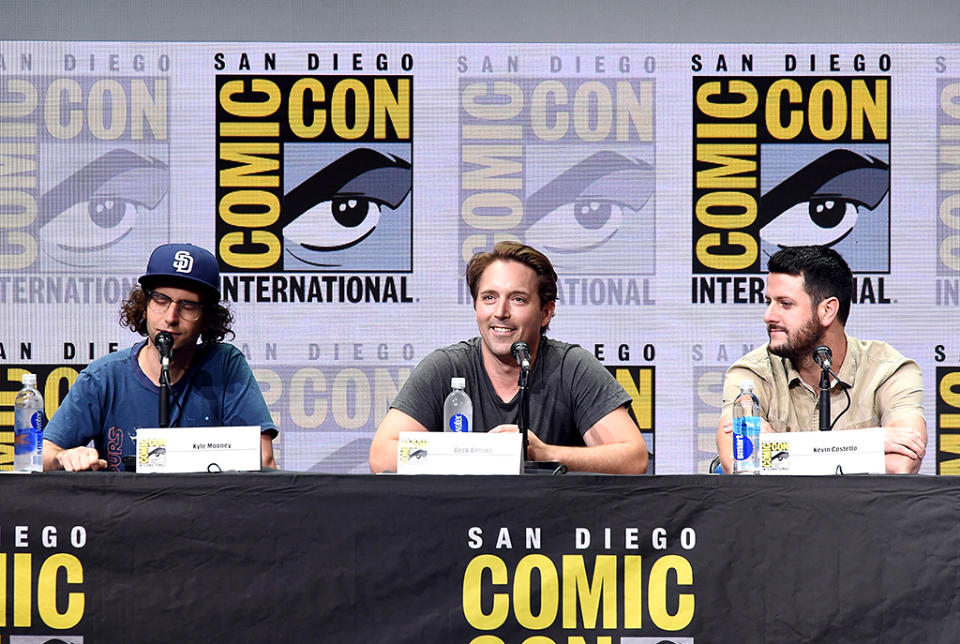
(847, 451)
(198, 449)
(459, 453)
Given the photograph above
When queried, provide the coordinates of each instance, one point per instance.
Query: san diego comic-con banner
(344, 187)
(580, 559)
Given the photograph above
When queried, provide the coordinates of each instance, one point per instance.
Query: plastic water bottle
(28, 427)
(746, 431)
(458, 408)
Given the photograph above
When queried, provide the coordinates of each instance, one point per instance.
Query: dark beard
(800, 346)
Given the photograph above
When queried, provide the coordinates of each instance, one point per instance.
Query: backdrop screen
(343, 187)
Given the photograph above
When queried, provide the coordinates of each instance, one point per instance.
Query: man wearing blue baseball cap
(211, 382)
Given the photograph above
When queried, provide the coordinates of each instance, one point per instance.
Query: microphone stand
(523, 422)
(163, 417)
(824, 399)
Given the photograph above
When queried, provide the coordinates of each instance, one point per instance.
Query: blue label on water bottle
(742, 447)
(746, 436)
(459, 423)
(26, 439)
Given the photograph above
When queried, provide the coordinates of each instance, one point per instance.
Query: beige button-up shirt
(882, 383)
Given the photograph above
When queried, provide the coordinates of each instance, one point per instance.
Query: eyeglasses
(188, 309)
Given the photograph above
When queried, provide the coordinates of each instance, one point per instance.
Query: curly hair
(217, 318)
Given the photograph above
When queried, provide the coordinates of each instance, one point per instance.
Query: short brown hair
(216, 318)
(516, 252)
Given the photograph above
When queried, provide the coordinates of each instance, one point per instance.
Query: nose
(769, 315)
(172, 314)
(501, 310)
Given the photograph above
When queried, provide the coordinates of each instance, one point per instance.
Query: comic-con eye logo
(822, 203)
(104, 210)
(592, 215)
(333, 210)
(183, 261)
(790, 161)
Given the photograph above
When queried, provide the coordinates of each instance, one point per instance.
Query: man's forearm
(50, 451)
(610, 458)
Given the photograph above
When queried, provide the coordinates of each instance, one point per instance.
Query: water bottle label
(25, 438)
(746, 436)
(459, 423)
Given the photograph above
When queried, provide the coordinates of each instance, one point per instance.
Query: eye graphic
(820, 203)
(587, 205)
(97, 206)
(340, 206)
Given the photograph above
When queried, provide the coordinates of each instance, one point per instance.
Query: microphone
(164, 342)
(823, 356)
(520, 350)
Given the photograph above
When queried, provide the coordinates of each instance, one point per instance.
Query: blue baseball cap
(173, 263)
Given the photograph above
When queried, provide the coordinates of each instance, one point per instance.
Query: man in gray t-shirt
(578, 413)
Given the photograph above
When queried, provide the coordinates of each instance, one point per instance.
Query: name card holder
(847, 451)
(459, 453)
(198, 449)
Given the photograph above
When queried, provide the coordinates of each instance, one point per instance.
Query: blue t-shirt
(112, 398)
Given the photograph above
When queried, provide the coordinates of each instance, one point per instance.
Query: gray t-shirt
(569, 391)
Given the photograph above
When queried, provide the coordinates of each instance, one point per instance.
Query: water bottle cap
(746, 385)
(29, 380)
(458, 383)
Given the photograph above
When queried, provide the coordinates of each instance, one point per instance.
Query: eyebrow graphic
(361, 172)
(606, 173)
(841, 174)
(123, 168)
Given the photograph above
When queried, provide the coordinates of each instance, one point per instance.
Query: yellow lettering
(587, 594)
(361, 112)
(472, 593)
(549, 592)
(724, 202)
(247, 200)
(97, 109)
(723, 156)
(395, 106)
(658, 593)
(64, 90)
(263, 259)
(873, 107)
(725, 109)
(297, 101)
(632, 591)
(838, 110)
(250, 109)
(248, 174)
(724, 261)
(773, 110)
(500, 167)
(492, 210)
(642, 404)
(480, 102)
(47, 591)
(550, 93)
(22, 588)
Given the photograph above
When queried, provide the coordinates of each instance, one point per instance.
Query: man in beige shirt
(809, 289)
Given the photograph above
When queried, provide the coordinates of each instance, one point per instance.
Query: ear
(546, 313)
(827, 310)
